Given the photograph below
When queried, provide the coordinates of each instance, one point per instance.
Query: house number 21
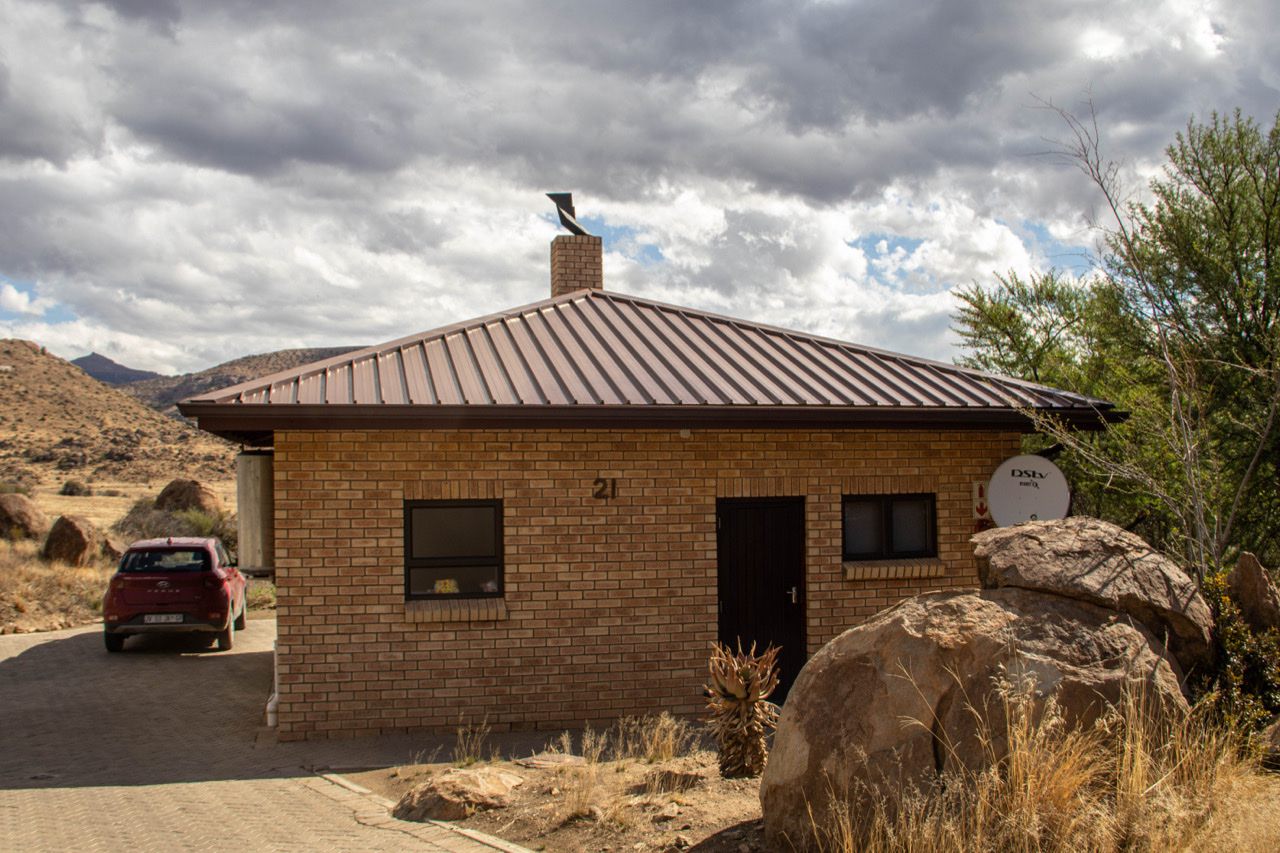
(604, 488)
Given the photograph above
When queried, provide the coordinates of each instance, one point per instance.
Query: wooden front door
(761, 579)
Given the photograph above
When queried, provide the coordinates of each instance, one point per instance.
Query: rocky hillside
(164, 393)
(59, 423)
(111, 372)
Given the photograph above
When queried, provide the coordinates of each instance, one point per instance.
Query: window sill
(456, 610)
(882, 570)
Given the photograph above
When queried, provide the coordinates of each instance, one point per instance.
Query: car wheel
(244, 608)
(227, 637)
(113, 642)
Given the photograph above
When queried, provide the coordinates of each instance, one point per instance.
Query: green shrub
(144, 521)
(221, 525)
(1244, 687)
(9, 487)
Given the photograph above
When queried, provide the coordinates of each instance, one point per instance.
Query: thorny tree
(1182, 328)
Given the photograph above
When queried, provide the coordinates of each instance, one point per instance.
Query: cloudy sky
(186, 182)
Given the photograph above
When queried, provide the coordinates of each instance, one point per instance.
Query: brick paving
(161, 748)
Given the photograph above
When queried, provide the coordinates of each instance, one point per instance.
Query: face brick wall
(610, 605)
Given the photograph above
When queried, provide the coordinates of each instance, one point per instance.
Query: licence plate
(157, 618)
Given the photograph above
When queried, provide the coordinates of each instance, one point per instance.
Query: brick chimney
(577, 263)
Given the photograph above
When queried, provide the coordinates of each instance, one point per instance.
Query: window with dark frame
(453, 549)
(889, 527)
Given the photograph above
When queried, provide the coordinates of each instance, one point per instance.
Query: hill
(59, 423)
(164, 393)
(105, 370)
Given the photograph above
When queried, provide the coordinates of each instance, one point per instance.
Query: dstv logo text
(1026, 474)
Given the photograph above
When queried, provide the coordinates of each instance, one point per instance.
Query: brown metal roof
(596, 357)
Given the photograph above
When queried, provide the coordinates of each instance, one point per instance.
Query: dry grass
(597, 801)
(469, 743)
(652, 738)
(112, 499)
(1126, 784)
(40, 596)
(261, 594)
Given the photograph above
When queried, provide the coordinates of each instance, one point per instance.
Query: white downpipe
(274, 701)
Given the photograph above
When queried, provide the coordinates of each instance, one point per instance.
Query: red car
(174, 585)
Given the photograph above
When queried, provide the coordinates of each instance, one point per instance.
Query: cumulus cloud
(195, 181)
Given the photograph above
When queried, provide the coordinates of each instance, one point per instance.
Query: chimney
(576, 260)
(576, 263)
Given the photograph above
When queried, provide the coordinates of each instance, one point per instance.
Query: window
(166, 560)
(887, 527)
(452, 549)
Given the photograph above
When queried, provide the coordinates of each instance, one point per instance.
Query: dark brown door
(761, 578)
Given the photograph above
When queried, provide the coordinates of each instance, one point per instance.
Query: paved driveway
(161, 748)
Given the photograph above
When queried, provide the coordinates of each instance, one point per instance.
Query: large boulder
(20, 518)
(73, 540)
(457, 794)
(1254, 592)
(1093, 561)
(182, 495)
(1270, 741)
(891, 703)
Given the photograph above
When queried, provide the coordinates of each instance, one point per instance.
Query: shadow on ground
(170, 708)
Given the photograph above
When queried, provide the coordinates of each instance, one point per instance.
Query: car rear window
(167, 560)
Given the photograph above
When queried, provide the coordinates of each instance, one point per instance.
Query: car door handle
(792, 593)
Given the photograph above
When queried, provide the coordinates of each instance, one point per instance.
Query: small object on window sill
(905, 569)
(456, 610)
(446, 586)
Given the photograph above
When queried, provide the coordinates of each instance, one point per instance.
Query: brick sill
(456, 610)
(882, 570)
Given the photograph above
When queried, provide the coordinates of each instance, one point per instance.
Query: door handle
(792, 593)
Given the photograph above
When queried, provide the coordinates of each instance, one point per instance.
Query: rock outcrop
(20, 518)
(1253, 591)
(72, 540)
(1091, 560)
(890, 704)
(457, 794)
(182, 495)
(1078, 608)
(1270, 739)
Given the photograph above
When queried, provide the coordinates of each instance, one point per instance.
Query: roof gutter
(237, 421)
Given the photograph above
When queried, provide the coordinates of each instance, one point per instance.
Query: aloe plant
(739, 711)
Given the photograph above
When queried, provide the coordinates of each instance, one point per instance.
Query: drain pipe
(274, 701)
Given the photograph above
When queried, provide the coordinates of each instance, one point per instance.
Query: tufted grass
(1127, 784)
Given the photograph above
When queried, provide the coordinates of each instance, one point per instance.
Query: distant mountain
(105, 370)
(57, 422)
(163, 393)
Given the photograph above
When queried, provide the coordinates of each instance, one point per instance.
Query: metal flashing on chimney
(564, 207)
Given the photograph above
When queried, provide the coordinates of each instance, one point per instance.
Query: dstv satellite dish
(1028, 488)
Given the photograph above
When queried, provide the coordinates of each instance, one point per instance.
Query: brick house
(546, 516)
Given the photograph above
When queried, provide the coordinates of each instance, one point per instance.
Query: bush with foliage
(1243, 689)
(75, 489)
(144, 521)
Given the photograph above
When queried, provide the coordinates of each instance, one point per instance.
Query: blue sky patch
(618, 238)
(57, 314)
(870, 244)
(1075, 258)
